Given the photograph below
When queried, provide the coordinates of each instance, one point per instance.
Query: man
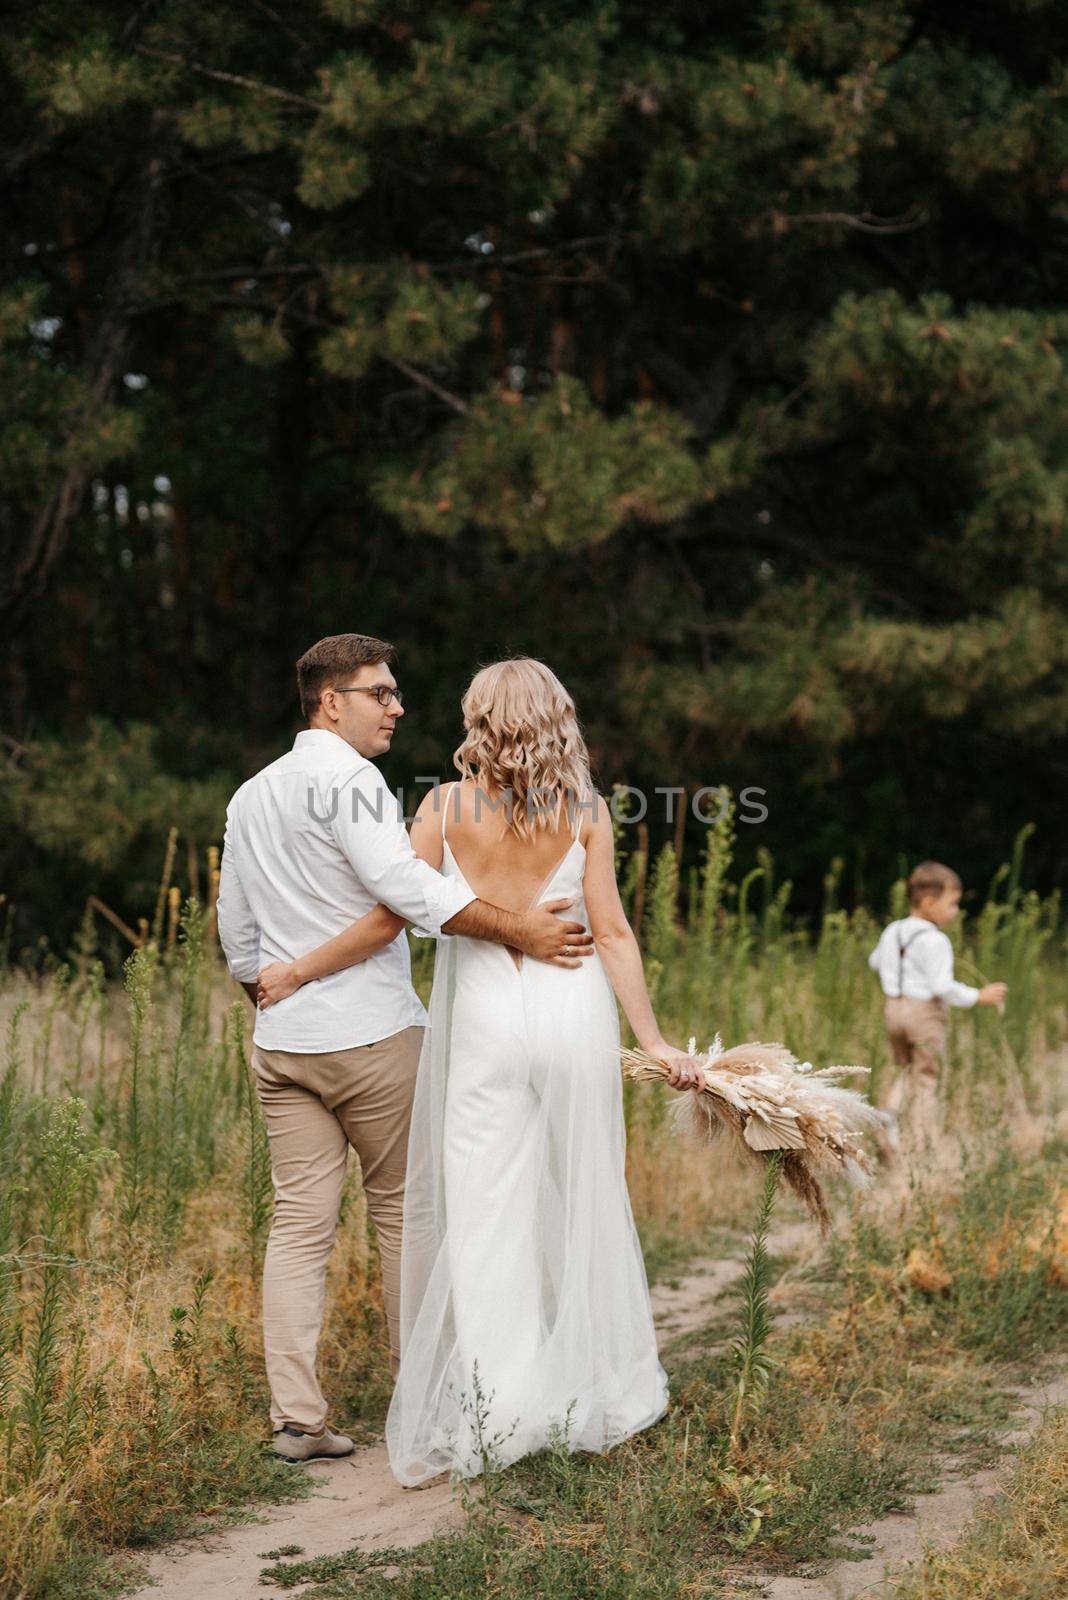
(315, 843)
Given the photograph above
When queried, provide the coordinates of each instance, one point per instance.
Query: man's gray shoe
(294, 1445)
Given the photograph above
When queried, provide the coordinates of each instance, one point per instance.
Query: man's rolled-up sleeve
(368, 826)
(239, 932)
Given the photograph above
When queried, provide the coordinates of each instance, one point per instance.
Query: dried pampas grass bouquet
(759, 1099)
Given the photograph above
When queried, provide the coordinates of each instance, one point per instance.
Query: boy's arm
(936, 956)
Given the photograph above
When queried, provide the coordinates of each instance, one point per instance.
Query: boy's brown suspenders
(901, 948)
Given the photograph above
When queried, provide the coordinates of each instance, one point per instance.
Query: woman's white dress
(524, 1303)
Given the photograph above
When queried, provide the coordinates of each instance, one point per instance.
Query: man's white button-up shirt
(312, 843)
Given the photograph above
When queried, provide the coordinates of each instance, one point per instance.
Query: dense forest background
(714, 354)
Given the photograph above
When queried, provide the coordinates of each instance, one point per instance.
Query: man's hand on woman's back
(538, 933)
(549, 939)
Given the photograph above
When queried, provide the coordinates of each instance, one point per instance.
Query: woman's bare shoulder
(596, 819)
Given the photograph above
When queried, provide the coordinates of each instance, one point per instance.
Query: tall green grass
(737, 964)
(856, 1410)
(135, 1191)
(131, 1389)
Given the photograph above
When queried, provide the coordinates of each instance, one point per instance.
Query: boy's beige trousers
(315, 1107)
(917, 1033)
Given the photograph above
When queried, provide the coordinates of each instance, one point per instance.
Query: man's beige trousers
(315, 1107)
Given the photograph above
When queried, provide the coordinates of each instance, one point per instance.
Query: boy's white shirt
(928, 963)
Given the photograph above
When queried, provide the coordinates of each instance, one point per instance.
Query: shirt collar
(328, 743)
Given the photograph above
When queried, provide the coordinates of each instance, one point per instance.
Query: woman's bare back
(501, 867)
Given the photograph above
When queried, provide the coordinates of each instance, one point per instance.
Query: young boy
(914, 960)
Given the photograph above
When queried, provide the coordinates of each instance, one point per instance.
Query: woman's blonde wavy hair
(523, 740)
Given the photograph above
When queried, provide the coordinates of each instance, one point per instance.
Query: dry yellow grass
(1046, 1238)
(168, 1398)
(926, 1271)
(1017, 1546)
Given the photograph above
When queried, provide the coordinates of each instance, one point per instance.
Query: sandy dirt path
(935, 1521)
(357, 1501)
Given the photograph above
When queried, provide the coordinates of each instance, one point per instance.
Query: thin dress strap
(445, 805)
(579, 802)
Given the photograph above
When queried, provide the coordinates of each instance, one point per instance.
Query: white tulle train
(524, 1304)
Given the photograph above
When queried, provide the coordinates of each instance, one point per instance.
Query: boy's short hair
(332, 660)
(930, 877)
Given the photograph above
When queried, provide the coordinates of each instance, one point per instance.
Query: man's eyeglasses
(383, 693)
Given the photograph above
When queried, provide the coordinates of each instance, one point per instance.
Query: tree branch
(538, 254)
(421, 378)
(865, 222)
(25, 578)
(238, 274)
(231, 77)
(302, 44)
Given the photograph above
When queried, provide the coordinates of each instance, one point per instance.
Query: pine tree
(714, 356)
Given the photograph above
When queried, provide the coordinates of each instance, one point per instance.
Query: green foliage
(12, 1200)
(748, 331)
(998, 1247)
(750, 335)
(738, 133)
(98, 802)
(154, 1249)
(258, 1189)
(261, 343)
(212, 124)
(89, 818)
(179, 1169)
(719, 849)
(334, 171)
(399, 314)
(49, 419)
(661, 915)
(139, 973)
(549, 470)
(94, 1452)
(47, 1402)
(92, 83)
(749, 1350)
(674, 1513)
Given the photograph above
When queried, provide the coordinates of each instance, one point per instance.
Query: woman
(525, 1310)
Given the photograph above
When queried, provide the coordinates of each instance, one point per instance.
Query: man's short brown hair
(331, 662)
(930, 877)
